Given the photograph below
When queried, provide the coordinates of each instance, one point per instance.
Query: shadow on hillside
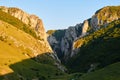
(39, 68)
(98, 53)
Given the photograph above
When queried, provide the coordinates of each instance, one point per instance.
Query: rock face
(32, 20)
(85, 27)
(61, 40)
(64, 45)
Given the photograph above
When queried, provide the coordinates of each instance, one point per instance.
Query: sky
(60, 14)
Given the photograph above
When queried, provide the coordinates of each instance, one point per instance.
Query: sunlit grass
(16, 50)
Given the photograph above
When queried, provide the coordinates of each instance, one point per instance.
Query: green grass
(30, 69)
(74, 76)
(111, 72)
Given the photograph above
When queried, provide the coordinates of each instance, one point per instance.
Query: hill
(23, 55)
(97, 49)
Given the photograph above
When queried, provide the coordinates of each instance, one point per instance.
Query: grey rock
(63, 47)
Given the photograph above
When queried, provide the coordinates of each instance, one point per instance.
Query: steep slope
(23, 54)
(16, 47)
(97, 50)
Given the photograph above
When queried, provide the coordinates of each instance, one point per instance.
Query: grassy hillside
(97, 50)
(111, 72)
(19, 53)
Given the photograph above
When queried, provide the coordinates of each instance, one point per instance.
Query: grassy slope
(99, 48)
(16, 23)
(16, 49)
(111, 72)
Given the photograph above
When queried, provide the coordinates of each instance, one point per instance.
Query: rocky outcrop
(105, 16)
(85, 27)
(32, 20)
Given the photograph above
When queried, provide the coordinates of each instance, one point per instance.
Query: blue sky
(60, 14)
